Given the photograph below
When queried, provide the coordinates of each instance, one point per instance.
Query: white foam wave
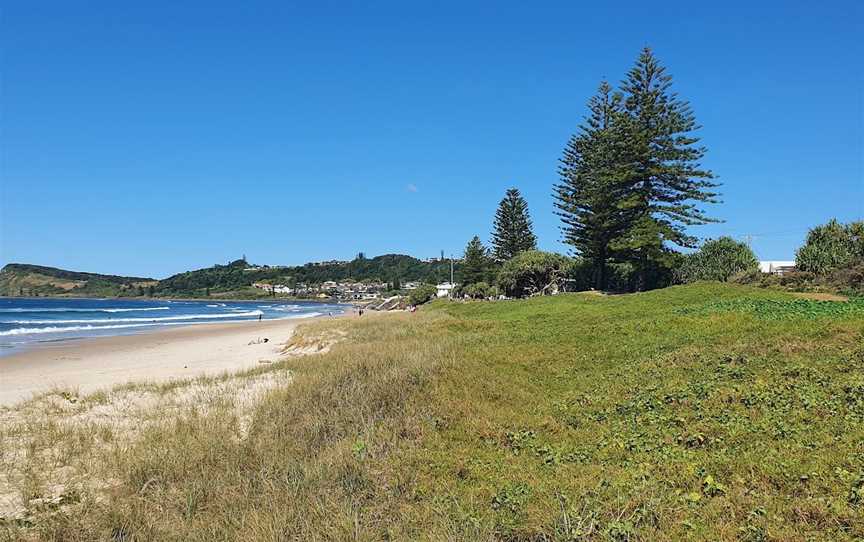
(282, 308)
(136, 310)
(127, 320)
(69, 329)
(78, 309)
(53, 329)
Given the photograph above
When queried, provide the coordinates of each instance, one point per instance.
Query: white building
(274, 288)
(779, 267)
(445, 289)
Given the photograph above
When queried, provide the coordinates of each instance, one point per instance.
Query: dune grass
(683, 413)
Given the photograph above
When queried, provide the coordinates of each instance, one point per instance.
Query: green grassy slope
(705, 412)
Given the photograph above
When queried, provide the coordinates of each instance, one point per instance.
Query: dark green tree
(592, 197)
(476, 263)
(512, 230)
(667, 183)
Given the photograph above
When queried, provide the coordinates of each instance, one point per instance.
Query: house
(445, 289)
(273, 288)
(778, 267)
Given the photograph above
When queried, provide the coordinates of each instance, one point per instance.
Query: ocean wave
(136, 310)
(78, 309)
(36, 330)
(68, 329)
(127, 320)
(281, 308)
(306, 315)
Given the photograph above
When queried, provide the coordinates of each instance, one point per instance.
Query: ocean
(28, 321)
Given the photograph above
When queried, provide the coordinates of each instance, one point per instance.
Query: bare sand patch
(89, 365)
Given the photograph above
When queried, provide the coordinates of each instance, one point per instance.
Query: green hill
(237, 277)
(232, 280)
(18, 279)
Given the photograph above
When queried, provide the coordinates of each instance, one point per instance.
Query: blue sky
(153, 137)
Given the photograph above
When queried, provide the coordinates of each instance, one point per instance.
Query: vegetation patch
(783, 309)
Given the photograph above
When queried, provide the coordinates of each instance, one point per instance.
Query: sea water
(28, 321)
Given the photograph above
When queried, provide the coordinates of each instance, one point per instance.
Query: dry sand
(92, 364)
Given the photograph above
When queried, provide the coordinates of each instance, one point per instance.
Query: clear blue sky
(153, 137)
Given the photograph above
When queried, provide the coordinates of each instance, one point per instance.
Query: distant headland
(235, 280)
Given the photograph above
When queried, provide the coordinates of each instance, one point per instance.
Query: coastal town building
(445, 289)
(342, 290)
(274, 288)
(777, 267)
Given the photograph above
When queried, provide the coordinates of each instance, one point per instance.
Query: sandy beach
(91, 364)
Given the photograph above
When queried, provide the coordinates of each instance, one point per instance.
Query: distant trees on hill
(394, 269)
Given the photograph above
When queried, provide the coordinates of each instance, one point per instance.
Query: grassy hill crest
(18, 279)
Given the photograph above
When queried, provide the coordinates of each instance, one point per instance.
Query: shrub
(831, 246)
(533, 272)
(422, 294)
(718, 259)
(480, 290)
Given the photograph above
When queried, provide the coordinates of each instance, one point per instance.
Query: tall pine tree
(476, 263)
(667, 183)
(592, 196)
(512, 231)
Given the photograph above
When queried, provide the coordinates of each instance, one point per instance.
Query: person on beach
(260, 316)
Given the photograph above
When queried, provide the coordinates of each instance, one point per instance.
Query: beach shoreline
(98, 363)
